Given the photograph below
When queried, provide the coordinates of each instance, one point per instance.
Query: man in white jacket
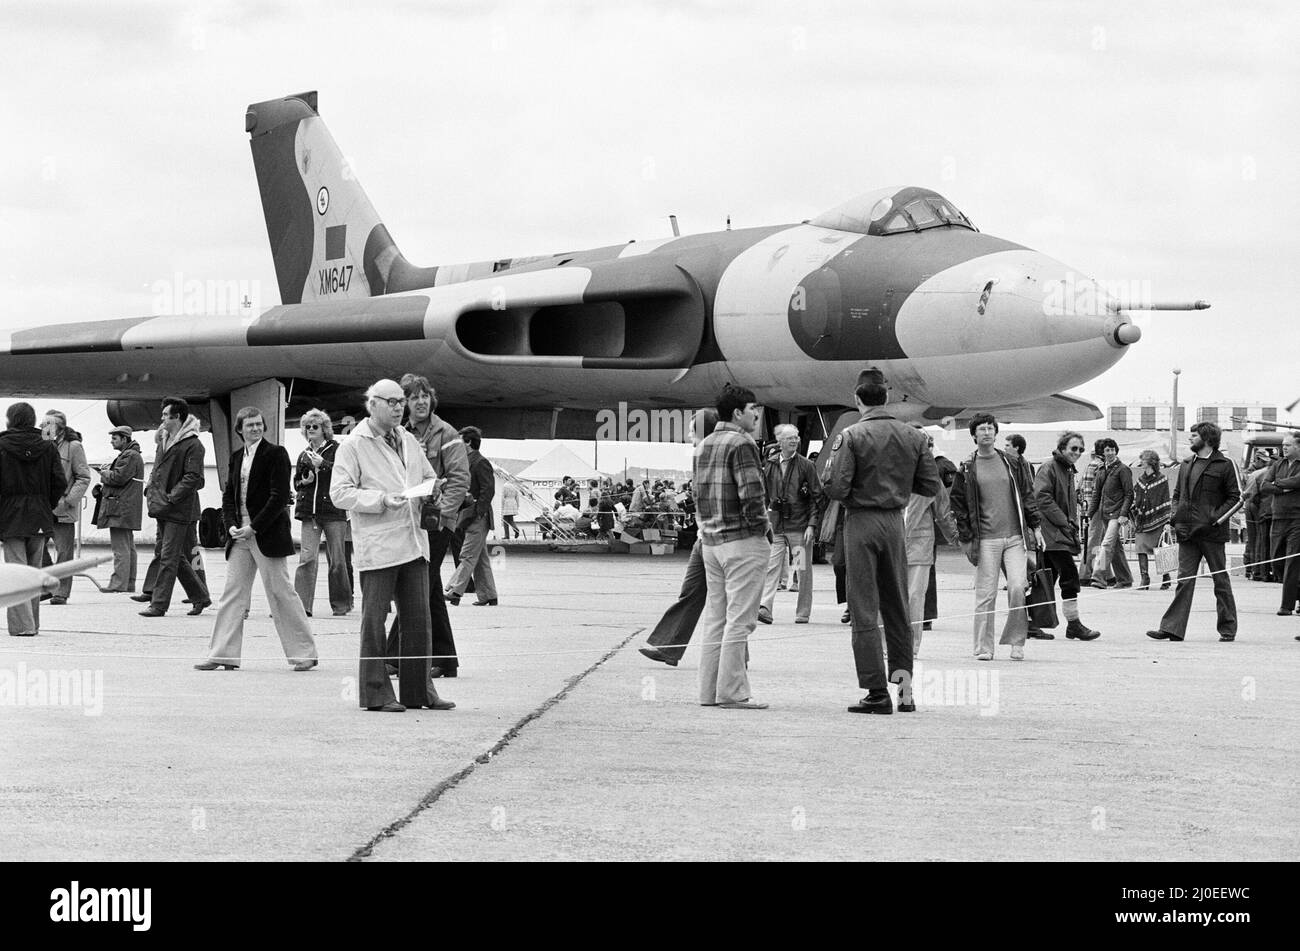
(373, 469)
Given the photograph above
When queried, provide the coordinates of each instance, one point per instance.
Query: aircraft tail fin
(326, 237)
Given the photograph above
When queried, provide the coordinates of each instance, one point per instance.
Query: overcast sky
(1135, 142)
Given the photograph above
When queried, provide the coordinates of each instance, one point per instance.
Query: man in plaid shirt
(735, 537)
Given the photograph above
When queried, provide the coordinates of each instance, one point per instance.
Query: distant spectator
(476, 520)
(31, 484)
(68, 512)
(509, 509)
(121, 506)
(1150, 512)
(172, 497)
(1112, 495)
(567, 493)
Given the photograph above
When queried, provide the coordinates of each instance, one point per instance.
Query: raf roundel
(838, 442)
(322, 200)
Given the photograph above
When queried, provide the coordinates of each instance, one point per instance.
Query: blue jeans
(1009, 555)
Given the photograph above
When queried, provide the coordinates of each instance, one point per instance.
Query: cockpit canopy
(894, 210)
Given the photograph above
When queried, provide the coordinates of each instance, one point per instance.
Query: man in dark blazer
(255, 509)
(1208, 491)
(476, 521)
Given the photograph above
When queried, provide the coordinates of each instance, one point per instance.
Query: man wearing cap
(372, 471)
(121, 505)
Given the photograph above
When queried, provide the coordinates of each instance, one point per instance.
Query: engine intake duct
(637, 313)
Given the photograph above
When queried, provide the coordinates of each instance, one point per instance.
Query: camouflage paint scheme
(896, 279)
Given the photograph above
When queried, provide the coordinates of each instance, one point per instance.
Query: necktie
(394, 441)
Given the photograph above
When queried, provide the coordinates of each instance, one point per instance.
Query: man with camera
(795, 502)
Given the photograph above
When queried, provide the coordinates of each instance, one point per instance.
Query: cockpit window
(924, 211)
(894, 210)
(920, 213)
(899, 222)
(949, 214)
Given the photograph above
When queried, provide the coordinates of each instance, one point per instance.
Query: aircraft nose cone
(988, 330)
(1128, 333)
(1120, 331)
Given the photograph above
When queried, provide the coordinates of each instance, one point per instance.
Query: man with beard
(1208, 491)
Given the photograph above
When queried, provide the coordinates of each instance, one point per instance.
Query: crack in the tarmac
(451, 782)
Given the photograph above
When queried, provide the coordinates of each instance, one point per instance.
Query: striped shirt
(730, 496)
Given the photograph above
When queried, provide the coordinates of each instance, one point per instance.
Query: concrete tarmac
(568, 744)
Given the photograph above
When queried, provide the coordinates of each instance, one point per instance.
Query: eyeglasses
(311, 426)
(395, 402)
(1074, 449)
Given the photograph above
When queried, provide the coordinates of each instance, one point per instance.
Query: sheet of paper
(420, 491)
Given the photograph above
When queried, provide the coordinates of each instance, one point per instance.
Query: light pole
(1173, 421)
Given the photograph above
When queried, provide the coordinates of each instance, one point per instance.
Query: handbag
(1041, 598)
(1165, 559)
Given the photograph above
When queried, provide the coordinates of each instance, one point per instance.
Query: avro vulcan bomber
(898, 280)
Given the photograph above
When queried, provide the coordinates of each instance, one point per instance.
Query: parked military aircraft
(898, 280)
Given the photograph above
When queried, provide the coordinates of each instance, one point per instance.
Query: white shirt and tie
(250, 450)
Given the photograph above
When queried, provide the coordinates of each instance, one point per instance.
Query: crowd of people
(389, 501)
(884, 496)
(403, 488)
(611, 506)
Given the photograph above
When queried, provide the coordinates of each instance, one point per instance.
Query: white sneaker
(983, 655)
(1017, 653)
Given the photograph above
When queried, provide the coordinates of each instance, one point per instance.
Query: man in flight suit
(876, 465)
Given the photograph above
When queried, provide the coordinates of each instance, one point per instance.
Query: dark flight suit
(876, 465)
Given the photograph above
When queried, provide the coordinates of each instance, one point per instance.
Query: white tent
(555, 465)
